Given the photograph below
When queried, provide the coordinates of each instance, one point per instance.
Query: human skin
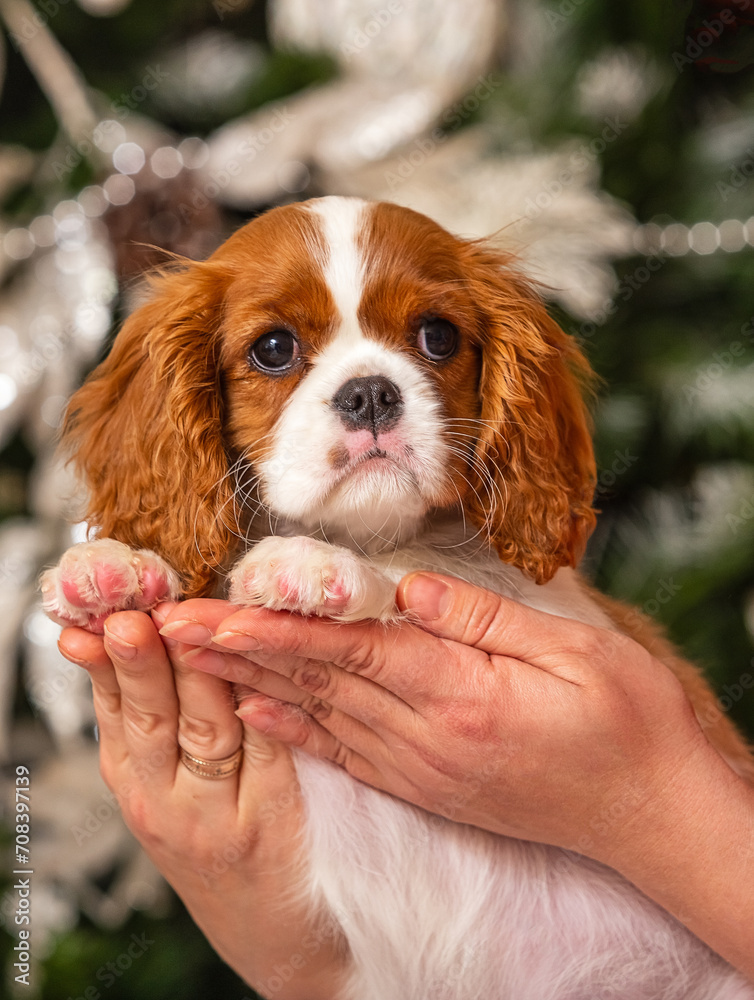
(227, 846)
(576, 726)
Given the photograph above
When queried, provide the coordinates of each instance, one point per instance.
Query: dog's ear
(145, 431)
(534, 441)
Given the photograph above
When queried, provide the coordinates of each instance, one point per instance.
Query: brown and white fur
(345, 392)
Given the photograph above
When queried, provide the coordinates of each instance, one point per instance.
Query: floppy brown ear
(145, 431)
(535, 438)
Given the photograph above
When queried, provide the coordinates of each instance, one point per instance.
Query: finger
(398, 658)
(378, 766)
(372, 715)
(149, 704)
(340, 700)
(287, 724)
(456, 610)
(265, 760)
(83, 648)
(195, 622)
(192, 625)
(208, 729)
(88, 651)
(207, 725)
(268, 789)
(243, 672)
(201, 622)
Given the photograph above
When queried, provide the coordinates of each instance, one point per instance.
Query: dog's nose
(371, 403)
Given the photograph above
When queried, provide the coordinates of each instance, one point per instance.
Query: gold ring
(211, 768)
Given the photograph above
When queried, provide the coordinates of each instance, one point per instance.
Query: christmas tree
(611, 144)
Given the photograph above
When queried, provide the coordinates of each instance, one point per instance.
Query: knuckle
(616, 645)
(317, 709)
(482, 616)
(202, 844)
(315, 677)
(253, 672)
(141, 722)
(600, 649)
(299, 730)
(109, 702)
(292, 726)
(199, 734)
(341, 755)
(365, 656)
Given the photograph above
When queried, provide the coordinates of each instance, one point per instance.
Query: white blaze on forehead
(299, 480)
(342, 220)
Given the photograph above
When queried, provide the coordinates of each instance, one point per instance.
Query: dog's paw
(95, 579)
(314, 578)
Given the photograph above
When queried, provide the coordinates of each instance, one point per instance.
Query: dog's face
(352, 370)
(349, 367)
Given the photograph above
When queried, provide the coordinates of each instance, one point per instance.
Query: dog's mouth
(346, 465)
(375, 453)
(376, 468)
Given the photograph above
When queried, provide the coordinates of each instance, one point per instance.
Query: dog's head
(350, 367)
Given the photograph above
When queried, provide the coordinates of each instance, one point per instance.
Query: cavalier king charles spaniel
(342, 393)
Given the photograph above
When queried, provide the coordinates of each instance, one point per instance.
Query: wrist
(682, 804)
(253, 913)
(688, 847)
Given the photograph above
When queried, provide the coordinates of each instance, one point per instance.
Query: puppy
(342, 393)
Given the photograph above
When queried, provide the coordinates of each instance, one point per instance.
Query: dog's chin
(370, 479)
(378, 499)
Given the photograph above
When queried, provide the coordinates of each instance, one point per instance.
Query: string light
(678, 240)
(119, 189)
(674, 239)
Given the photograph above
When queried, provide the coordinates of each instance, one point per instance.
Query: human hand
(511, 719)
(520, 722)
(227, 846)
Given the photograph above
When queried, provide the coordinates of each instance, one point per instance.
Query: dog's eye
(438, 339)
(274, 352)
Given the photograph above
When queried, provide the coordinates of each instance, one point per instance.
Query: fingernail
(427, 597)
(74, 659)
(263, 722)
(237, 640)
(205, 660)
(188, 631)
(160, 613)
(120, 647)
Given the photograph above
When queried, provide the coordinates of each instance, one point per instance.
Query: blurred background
(612, 145)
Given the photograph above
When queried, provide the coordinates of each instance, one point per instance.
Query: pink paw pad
(289, 589)
(154, 586)
(112, 583)
(336, 596)
(95, 579)
(72, 593)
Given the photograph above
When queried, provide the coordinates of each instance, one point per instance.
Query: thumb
(454, 609)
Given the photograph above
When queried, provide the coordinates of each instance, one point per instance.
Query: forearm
(693, 853)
